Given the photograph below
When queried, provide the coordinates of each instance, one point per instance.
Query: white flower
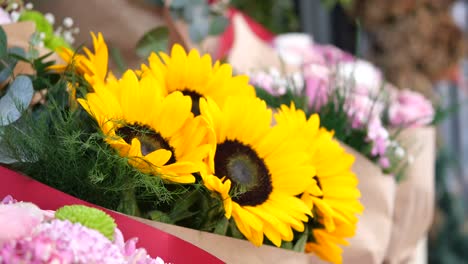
(29, 6)
(68, 22)
(50, 18)
(15, 16)
(399, 152)
(14, 6)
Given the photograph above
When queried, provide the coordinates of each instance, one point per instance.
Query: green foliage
(203, 20)
(449, 238)
(16, 100)
(89, 217)
(300, 101)
(155, 40)
(276, 15)
(332, 3)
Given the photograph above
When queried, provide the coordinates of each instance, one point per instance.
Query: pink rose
(410, 109)
(18, 220)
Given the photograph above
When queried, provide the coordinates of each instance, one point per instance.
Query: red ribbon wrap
(158, 243)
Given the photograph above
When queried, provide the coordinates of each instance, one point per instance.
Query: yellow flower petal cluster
(180, 115)
(336, 202)
(93, 66)
(149, 129)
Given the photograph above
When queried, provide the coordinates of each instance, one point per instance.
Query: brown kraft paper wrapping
(368, 246)
(415, 196)
(18, 35)
(378, 191)
(372, 238)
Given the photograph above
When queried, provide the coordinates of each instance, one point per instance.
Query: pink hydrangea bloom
(410, 109)
(133, 254)
(62, 242)
(18, 220)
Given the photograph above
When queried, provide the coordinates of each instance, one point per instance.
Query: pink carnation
(410, 109)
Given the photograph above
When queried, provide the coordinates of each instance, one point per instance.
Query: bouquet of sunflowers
(183, 141)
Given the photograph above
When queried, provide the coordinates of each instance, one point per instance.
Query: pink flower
(296, 49)
(410, 109)
(18, 220)
(131, 252)
(4, 17)
(62, 242)
(333, 55)
(361, 76)
(378, 135)
(317, 79)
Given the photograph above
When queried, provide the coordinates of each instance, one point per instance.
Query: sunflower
(336, 202)
(196, 76)
(149, 129)
(93, 66)
(258, 170)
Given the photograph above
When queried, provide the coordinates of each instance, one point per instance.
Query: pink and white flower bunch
(331, 75)
(31, 235)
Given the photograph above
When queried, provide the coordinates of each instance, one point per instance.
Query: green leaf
(3, 43)
(16, 100)
(90, 217)
(218, 25)
(160, 217)
(155, 40)
(301, 242)
(179, 3)
(117, 57)
(222, 226)
(198, 30)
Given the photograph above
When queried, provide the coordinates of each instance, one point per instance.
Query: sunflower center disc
(195, 101)
(150, 140)
(251, 180)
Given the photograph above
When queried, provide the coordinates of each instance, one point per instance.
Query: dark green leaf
(222, 226)
(155, 40)
(218, 25)
(3, 43)
(160, 217)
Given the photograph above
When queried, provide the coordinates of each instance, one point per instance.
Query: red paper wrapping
(158, 243)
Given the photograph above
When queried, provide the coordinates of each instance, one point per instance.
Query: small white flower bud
(68, 22)
(14, 16)
(29, 6)
(49, 17)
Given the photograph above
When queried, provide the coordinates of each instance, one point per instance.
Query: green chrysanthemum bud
(56, 42)
(42, 25)
(89, 217)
